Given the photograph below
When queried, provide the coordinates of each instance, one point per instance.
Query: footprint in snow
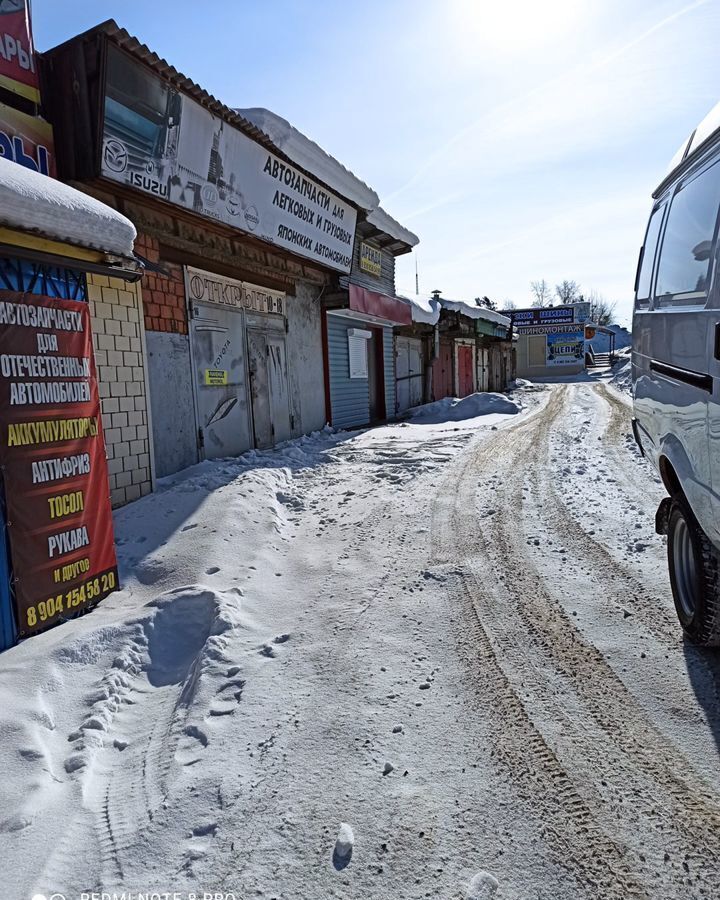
(189, 527)
(482, 886)
(212, 570)
(343, 850)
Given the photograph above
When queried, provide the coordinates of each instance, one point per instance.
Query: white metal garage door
(408, 372)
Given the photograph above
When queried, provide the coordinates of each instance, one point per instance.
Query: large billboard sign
(53, 461)
(26, 140)
(18, 72)
(163, 143)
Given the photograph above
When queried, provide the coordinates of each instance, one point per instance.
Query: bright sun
(494, 27)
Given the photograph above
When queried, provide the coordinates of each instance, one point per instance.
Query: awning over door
(382, 306)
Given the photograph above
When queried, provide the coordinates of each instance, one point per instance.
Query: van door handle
(717, 340)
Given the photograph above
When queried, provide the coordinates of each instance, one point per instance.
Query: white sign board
(180, 152)
(207, 287)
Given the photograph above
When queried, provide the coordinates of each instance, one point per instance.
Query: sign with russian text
(208, 287)
(552, 329)
(27, 140)
(370, 259)
(52, 455)
(17, 56)
(565, 349)
(163, 143)
(541, 315)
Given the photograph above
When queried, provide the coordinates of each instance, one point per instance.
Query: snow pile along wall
(450, 409)
(33, 202)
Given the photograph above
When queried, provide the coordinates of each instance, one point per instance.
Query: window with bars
(26, 276)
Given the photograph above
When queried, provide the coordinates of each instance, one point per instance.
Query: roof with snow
(425, 310)
(311, 157)
(39, 204)
(475, 312)
(385, 223)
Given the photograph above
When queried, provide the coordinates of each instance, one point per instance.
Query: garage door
(408, 373)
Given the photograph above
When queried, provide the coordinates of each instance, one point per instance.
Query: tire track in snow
(618, 579)
(593, 860)
(547, 648)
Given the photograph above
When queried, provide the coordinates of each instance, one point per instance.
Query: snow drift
(452, 409)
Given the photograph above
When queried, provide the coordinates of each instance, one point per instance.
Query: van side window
(686, 254)
(642, 297)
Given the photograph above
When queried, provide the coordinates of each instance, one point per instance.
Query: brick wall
(163, 297)
(115, 309)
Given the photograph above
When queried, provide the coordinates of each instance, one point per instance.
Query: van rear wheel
(694, 566)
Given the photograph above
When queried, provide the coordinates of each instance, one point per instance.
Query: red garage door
(465, 370)
(442, 372)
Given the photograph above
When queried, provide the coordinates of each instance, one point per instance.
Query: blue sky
(519, 140)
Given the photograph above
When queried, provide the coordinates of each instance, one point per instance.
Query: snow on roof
(475, 312)
(311, 157)
(424, 309)
(385, 223)
(33, 202)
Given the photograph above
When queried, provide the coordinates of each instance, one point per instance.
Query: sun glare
(515, 27)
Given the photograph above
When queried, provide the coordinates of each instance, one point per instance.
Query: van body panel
(676, 378)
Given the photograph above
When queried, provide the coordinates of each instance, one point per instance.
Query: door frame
(378, 343)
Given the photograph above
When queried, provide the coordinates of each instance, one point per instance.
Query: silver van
(676, 373)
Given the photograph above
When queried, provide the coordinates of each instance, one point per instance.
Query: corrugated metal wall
(348, 396)
(384, 283)
(389, 363)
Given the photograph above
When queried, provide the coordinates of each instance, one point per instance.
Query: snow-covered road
(457, 639)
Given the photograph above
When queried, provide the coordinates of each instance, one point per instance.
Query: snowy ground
(435, 659)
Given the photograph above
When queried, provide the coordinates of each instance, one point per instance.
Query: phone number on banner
(91, 591)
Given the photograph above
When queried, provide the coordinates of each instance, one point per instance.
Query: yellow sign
(216, 376)
(370, 259)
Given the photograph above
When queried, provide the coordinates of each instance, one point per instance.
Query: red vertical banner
(18, 72)
(53, 462)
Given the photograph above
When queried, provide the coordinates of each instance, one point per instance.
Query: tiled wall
(115, 309)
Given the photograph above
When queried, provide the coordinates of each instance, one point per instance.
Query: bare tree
(568, 292)
(486, 302)
(508, 305)
(602, 311)
(541, 292)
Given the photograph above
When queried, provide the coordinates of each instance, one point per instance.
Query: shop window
(24, 276)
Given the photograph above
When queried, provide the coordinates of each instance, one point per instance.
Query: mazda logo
(115, 156)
